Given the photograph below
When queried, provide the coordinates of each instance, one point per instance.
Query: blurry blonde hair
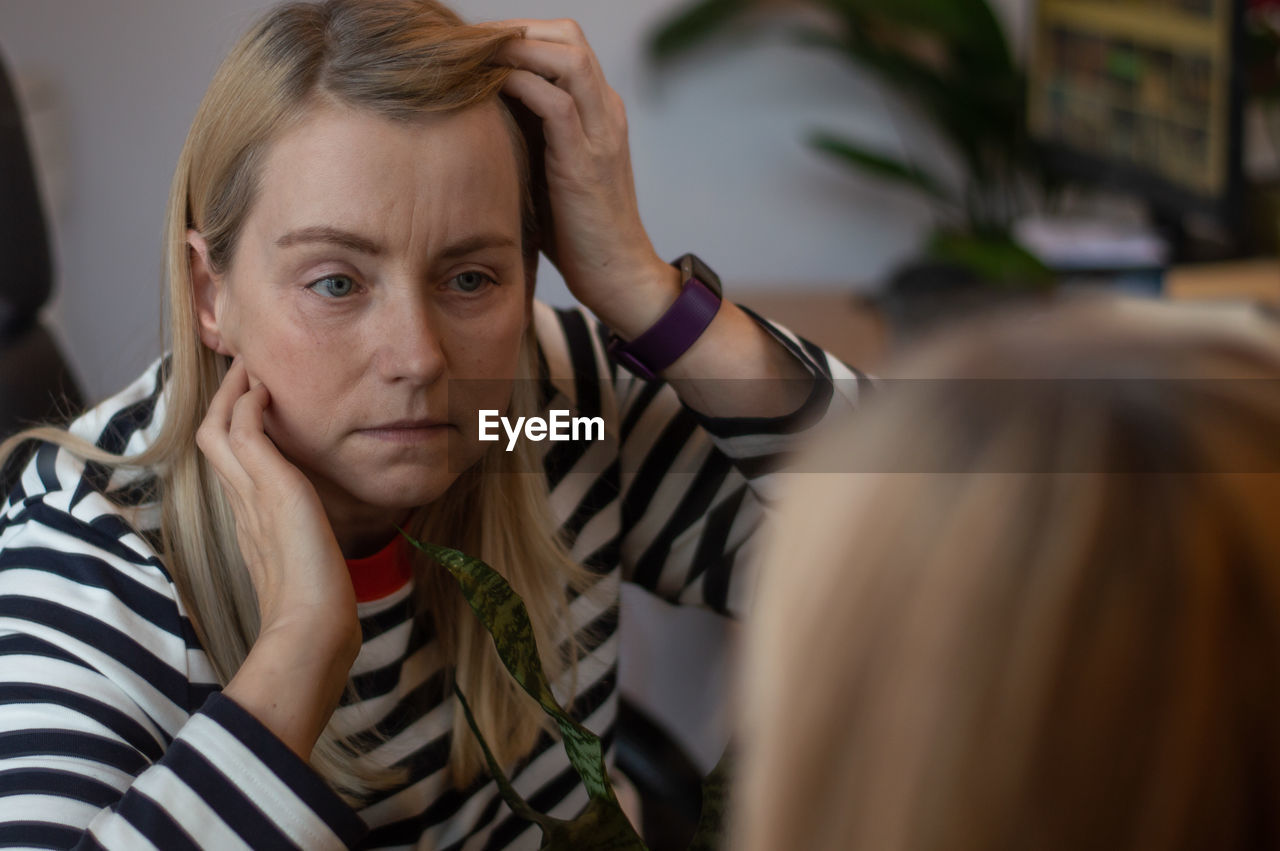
(1046, 615)
(401, 59)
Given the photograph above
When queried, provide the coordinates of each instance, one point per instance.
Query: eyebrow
(332, 236)
(364, 245)
(477, 242)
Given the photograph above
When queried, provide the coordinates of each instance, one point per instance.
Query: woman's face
(380, 261)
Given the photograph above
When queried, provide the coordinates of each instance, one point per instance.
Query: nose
(410, 345)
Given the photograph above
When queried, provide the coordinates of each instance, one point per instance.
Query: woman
(214, 637)
(1031, 613)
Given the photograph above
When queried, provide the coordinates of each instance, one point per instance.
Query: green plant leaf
(693, 25)
(879, 165)
(968, 29)
(975, 110)
(943, 103)
(978, 115)
(602, 826)
(996, 258)
(950, 59)
(503, 614)
(715, 804)
(518, 805)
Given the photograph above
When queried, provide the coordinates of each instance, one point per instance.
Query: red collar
(382, 573)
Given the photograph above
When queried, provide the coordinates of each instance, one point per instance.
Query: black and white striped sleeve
(697, 488)
(106, 739)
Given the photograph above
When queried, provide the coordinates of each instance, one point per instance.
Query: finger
(257, 455)
(212, 439)
(233, 386)
(570, 67)
(211, 436)
(561, 31)
(561, 123)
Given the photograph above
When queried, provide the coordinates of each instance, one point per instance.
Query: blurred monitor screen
(1142, 96)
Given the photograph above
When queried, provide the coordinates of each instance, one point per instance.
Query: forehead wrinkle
(449, 200)
(459, 209)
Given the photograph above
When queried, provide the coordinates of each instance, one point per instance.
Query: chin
(392, 489)
(403, 491)
(358, 485)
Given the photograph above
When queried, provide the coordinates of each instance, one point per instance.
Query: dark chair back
(26, 273)
(36, 384)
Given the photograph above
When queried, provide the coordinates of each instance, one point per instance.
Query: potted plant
(950, 60)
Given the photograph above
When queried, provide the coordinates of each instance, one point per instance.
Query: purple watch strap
(672, 335)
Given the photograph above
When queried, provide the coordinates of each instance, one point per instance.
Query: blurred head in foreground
(1031, 613)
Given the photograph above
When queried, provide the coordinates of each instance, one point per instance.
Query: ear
(207, 291)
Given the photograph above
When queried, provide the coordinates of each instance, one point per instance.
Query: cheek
(278, 342)
(493, 354)
(305, 385)
(483, 374)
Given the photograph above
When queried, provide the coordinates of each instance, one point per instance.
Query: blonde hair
(1045, 617)
(400, 59)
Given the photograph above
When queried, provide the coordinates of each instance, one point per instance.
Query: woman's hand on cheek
(309, 627)
(599, 244)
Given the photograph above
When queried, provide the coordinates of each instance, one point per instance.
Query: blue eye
(470, 282)
(333, 286)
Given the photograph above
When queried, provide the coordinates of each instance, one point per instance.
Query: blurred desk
(836, 320)
(849, 328)
(1244, 280)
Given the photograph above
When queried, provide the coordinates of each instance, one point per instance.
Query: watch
(677, 329)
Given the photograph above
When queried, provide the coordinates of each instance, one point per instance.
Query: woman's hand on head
(599, 245)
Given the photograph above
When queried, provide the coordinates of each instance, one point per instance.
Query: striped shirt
(113, 729)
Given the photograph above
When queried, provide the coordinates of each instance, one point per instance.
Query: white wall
(717, 150)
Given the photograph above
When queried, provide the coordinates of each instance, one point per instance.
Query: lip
(408, 424)
(407, 431)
